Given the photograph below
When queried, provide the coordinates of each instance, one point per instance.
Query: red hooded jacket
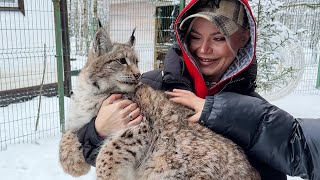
(200, 88)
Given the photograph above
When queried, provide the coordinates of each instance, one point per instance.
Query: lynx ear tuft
(132, 39)
(99, 23)
(102, 43)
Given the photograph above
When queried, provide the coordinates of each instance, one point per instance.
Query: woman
(213, 69)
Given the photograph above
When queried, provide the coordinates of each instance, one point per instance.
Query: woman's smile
(206, 61)
(210, 49)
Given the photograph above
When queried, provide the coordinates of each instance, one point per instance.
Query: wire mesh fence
(28, 62)
(27, 69)
(304, 15)
(28, 81)
(153, 21)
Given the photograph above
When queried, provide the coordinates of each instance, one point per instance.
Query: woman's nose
(205, 47)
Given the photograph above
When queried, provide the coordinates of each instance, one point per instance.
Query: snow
(26, 44)
(39, 160)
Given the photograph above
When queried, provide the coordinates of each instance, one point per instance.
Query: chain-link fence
(30, 107)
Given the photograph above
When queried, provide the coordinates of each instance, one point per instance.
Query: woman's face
(210, 49)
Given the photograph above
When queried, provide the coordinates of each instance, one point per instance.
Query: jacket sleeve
(266, 132)
(90, 141)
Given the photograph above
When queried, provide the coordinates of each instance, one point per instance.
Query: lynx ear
(99, 23)
(132, 39)
(102, 43)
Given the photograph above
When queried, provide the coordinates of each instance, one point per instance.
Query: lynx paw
(71, 156)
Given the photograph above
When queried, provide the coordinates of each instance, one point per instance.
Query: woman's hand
(189, 99)
(116, 114)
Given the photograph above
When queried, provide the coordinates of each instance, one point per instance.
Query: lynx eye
(122, 61)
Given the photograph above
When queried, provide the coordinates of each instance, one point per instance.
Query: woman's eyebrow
(212, 34)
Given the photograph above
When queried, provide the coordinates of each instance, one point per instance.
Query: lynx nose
(137, 76)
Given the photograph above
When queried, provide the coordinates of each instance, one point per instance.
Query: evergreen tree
(273, 39)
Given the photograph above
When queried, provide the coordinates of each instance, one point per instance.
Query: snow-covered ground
(38, 161)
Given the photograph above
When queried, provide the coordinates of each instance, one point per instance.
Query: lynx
(163, 146)
(103, 74)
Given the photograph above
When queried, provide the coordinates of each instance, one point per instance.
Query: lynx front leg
(71, 156)
(119, 158)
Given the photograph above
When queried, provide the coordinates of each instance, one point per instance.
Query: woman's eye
(194, 37)
(122, 61)
(219, 39)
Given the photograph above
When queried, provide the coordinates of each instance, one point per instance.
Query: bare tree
(84, 23)
(95, 9)
(76, 24)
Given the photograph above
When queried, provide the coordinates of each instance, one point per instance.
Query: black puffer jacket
(272, 138)
(268, 134)
(175, 75)
(275, 142)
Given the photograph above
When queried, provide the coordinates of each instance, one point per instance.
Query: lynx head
(112, 67)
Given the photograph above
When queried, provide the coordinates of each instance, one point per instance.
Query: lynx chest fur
(163, 146)
(103, 74)
(111, 68)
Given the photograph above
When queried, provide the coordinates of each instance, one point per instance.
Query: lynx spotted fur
(103, 74)
(163, 146)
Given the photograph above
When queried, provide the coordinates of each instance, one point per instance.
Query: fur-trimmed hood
(242, 69)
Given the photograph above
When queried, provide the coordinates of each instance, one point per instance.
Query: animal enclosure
(44, 44)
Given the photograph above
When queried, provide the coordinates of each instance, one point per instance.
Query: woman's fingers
(195, 118)
(123, 104)
(135, 113)
(135, 121)
(111, 99)
(116, 114)
(129, 109)
(183, 100)
(189, 99)
(132, 115)
(183, 97)
(181, 91)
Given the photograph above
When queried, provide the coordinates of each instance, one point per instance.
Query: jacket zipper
(229, 83)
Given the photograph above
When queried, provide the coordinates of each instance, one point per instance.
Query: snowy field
(38, 161)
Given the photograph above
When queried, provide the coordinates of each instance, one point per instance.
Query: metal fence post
(318, 77)
(182, 4)
(65, 47)
(57, 23)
